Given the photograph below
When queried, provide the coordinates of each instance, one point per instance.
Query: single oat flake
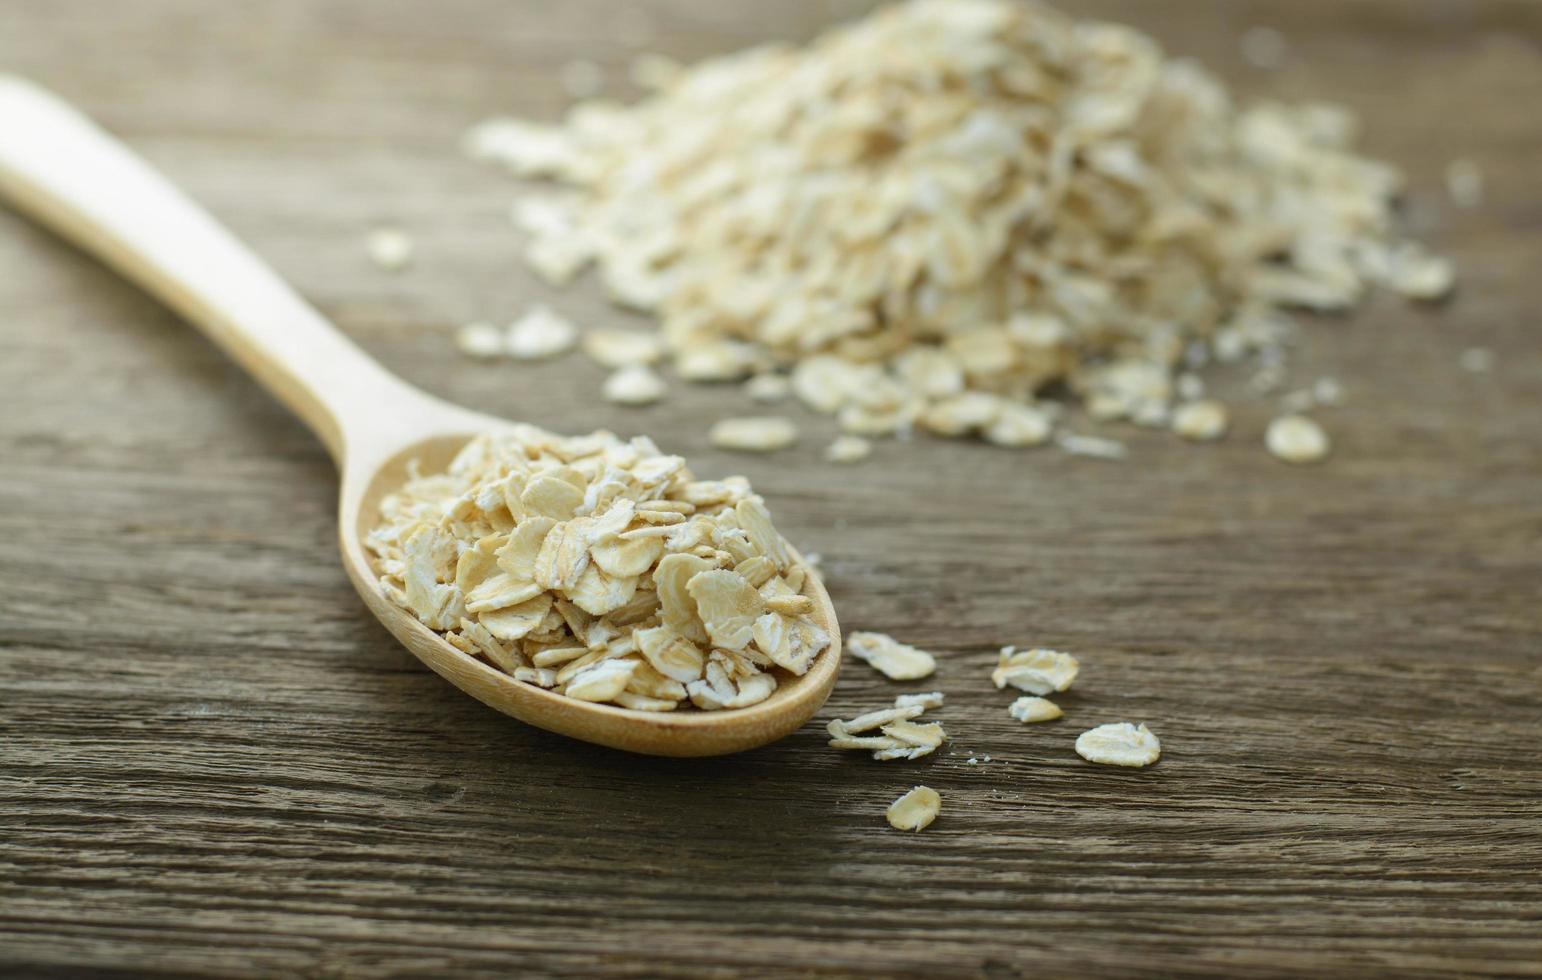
(753, 434)
(1029, 710)
(848, 449)
(1121, 744)
(483, 341)
(1201, 421)
(1036, 671)
(1296, 439)
(539, 334)
(635, 384)
(915, 810)
(390, 248)
(997, 208)
(895, 660)
(622, 348)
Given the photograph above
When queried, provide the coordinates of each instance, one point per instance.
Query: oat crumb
(1296, 439)
(1464, 182)
(1477, 360)
(481, 340)
(541, 333)
(1201, 421)
(848, 449)
(390, 249)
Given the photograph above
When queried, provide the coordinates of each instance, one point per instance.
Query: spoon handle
(60, 168)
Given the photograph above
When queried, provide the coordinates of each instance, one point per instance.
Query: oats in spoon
(601, 569)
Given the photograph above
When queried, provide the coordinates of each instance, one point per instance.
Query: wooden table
(212, 760)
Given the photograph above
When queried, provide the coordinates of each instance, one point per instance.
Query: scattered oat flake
(1121, 744)
(1328, 392)
(900, 737)
(768, 387)
(927, 701)
(1036, 671)
(1201, 421)
(636, 384)
(1477, 360)
(848, 449)
(763, 434)
(1464, 182)
(483, 341)
(895, 660)
(539, 334)
(1091, 446)
(1029, 710)
(915, 810)
(875, 719)
(1296, 439)
(390, 248)
(622, 348)
(1425, 277)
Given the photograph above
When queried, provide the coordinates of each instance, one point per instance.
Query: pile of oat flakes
(600, 569)
(940, 215)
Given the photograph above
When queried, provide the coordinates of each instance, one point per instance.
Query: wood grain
(213, 761)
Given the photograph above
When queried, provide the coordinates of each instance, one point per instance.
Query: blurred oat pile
(931, 216)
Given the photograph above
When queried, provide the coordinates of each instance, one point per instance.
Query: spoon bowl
(57, 166)
(672, 733)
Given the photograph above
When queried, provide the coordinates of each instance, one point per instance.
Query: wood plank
(211, 761)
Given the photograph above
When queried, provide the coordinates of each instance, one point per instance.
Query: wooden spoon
(57, 166)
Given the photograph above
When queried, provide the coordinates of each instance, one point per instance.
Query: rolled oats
(1036, 671)
(901, 737)
(915, 810)
(1201, 421)
(928, 701)
(539, 334)
(483, 341)
(1296, 439)
(390, 248)
(1029, 710)
(768, 387)
(753, 435)
(1121, 744)
(1477, 360)
(622, 348)
(1464, 182)
(635, 384)
(1092, 446)
(848, 449)
(1054, 206)
(895, 660)
(535, 553)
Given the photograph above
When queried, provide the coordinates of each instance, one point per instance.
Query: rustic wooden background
(213, 761)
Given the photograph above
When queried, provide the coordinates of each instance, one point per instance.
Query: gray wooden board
(213, 761)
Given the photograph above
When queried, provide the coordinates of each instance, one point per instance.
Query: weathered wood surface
(212, 761)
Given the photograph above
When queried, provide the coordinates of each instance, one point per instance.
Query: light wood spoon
(57, 166)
